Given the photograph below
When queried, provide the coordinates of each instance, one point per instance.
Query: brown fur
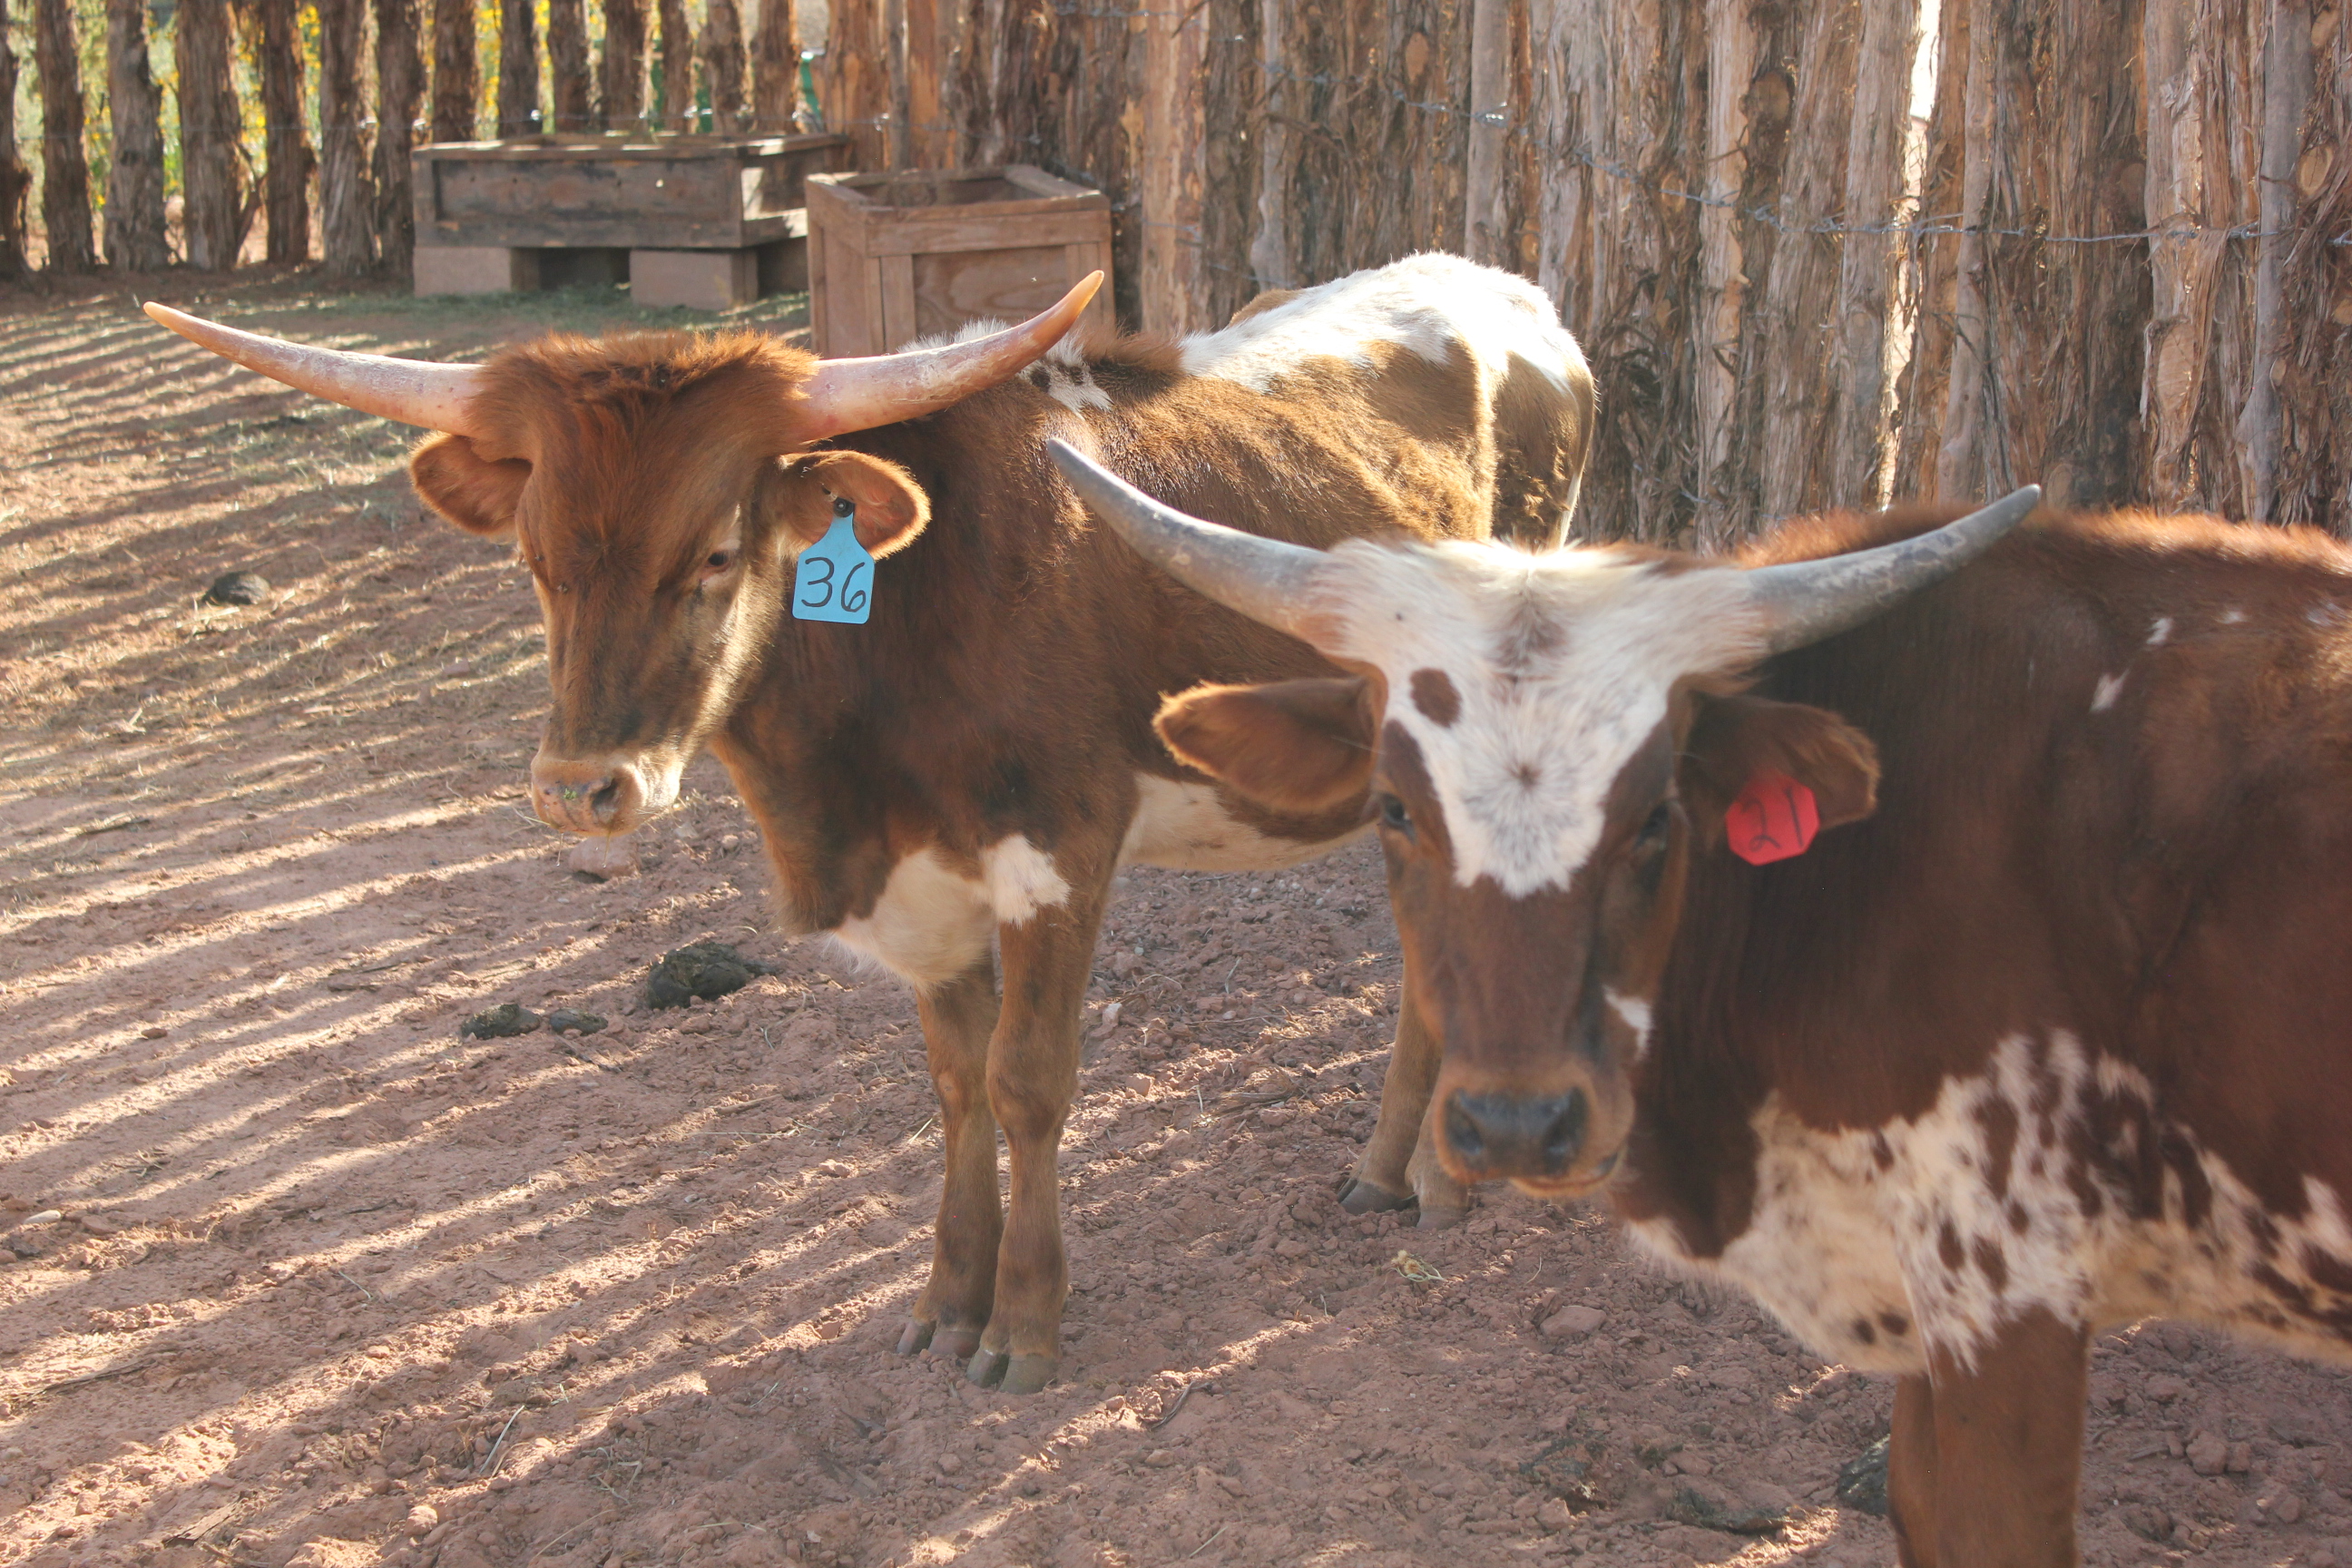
(659, 488)
(2096, 784)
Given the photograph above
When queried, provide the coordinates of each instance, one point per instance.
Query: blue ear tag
(834, 579)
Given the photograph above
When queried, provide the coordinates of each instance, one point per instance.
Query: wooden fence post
(1721, 308)
(400, 87)
(134, 177)
(1269, 246)
(1616, 95)
(346, 203)
(286, 178)
(1872, 316)
(1484, 236)
(15, 179)
(722, 49)
(571, 99)
(674, 56)
(621, 79)
(776, 70)
(1170, 175)
(854, 90)
(1923, 390)
(2315, 390)
(1793, 334)
(65, 169)
(213, 196)
(2287, 91)
(517, 70)
(456, 80)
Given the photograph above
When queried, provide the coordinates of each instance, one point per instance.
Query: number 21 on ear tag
(1775, 818)
(834, 579)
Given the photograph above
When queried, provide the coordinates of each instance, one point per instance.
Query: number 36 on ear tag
(834, 579)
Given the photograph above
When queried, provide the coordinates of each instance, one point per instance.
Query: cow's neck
(848, 739)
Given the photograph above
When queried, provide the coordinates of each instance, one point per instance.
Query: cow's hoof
(915, 1336)
(955, 1344)
(1441, 1219)
(1028, 1373)
(986, 1368)
(1361, 1196)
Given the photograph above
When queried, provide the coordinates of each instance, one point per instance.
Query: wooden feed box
(893, 258)
(705, 221)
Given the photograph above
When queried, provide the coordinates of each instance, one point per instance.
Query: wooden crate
(706, 220)
(893, 258)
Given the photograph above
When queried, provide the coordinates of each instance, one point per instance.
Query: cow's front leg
(1911, 1473)
(1398, 1166)
(1033, 1073)
(957, 1019)
(1986, 1462)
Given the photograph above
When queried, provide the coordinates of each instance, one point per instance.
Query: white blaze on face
(1563, 664)
(1429, 305)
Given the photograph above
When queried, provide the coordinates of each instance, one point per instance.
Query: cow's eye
(719, 559)
(1656, 827)
(1394, 816)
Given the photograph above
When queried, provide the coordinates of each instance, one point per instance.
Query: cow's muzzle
(602, 794)
(1521, 1137)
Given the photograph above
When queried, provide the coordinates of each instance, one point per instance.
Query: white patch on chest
(1186, 827)
(1871, 1244)
(1428, 305)
(933, 923)
(1021, 880)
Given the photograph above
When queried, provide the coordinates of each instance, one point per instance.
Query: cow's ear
(478, 495)
(892, 508)
(1733, 740)
(1296, 745)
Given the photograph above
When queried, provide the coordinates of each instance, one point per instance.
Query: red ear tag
(1774, 818)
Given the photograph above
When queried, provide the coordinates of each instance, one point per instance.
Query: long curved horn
(413, 392)
(1264, 579)
(1805, 600)
(846, 395)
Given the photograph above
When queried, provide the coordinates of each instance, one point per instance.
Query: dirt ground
(290, 1272)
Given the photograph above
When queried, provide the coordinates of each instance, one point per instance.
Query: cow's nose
(1496, 1135)
(597, 796)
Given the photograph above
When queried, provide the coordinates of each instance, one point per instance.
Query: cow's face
(660, 488)
(660, 527)
(1547, 744)
(1548, 741)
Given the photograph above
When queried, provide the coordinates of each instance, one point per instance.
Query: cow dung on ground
(706, 969)
(237, 588)
(502, 1022)
(567, 1019)
(1861, 1480)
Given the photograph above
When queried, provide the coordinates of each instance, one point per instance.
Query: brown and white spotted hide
(2049, 1030)
(970, 768)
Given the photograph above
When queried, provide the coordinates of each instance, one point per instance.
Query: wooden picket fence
(1819, 251)
(2108, 252)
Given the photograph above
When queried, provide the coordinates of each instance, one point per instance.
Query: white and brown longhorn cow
(971, 766)
(2052, 1028)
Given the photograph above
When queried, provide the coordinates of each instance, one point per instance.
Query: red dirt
(332, 1286)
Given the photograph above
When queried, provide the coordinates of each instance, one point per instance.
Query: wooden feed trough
(893, 258)
(704, 221)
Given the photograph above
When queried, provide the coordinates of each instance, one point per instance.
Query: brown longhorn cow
(2050, 1030)
(969, 767)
